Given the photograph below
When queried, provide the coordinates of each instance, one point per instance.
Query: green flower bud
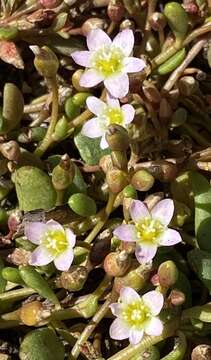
(86, 305)
(36, 134)
(63, 174)
(61, 129)
(116, 180)
(117, 138)
(130, 192)
(142, 180)
(74, 279)
(13, 275)
(135, 278)
(168, 274)
(45, 61)
(117, 264)
(8, 33)
(72, 110)
(79, 99)
(177, 19)
(76, 80)
(82, 205)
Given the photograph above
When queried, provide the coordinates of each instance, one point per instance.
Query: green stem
(79, 120)
(179, 349)
(195, 135)
(103, 286)
(60, 197)
(160, 59)
(47, 141)
(18, 294)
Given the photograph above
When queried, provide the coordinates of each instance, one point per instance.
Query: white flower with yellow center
(106, 114)
(109, 61)
(55, 244)
(150, 229)
(136, 315)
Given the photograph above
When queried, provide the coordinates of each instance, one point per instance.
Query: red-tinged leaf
(10, 54)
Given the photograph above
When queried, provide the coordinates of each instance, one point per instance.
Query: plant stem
(179, 349)
(195, 135)
(18, 294)
(79, 120)
(161, 58)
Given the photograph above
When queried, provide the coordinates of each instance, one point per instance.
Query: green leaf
(200, 262)
(90, 149)
(41, 344)
(202, 199)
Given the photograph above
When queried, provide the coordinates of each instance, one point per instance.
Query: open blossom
(106, 114)
(108, 61)
(150, 229)
(54, 244)
(136, 315)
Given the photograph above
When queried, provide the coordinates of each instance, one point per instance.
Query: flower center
(149, 230)
(136, 314)
(113, 116)
(55, 242)
(108, 60)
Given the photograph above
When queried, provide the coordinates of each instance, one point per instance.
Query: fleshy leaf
(200, 261)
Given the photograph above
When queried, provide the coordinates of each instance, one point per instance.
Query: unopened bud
(91, 24)
(201, 352)
(86, 305)
(76, 80)
(74, 279)
(79, 99)
(130, 192)
(116, 180)
(117, 138)
(63, 174)
(117, 264)
(50, 4)
(188, 85)
(135, 278)
(176, 297)
(151, 92)
(119, 160)
(10, 150)
(168, 274)
(157, 21)
(30, 313)
(45, 61)
(115, 10)
(72, 110)
(61, 129)
(142, 180)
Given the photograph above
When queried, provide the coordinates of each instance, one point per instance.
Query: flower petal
(115, 309)
(54, 225)
(92, 128)
(40, 256)
(97, 38)
(34, 231)
(82, 58)
(145, 253)
(154, 327)
(170, 237)
(103, 142)
(118, 85)
(90, 78)
(129, 113)
(128, 295)
(118, 330)
(126, 232)
(70, 237)
(133, 64)
(163, 211)
(95, 105)
(64, 261)
(154, 300)
(111, 101)
(125, 41)
(138, 211)
(135, 336)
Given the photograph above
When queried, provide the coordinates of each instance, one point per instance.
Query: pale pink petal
(54, 226)
(111, 101)
(95, 105)
(64, 261)
(71, 238)
(132, 64)
(128, 295)
(103, 142)
(138, 211)
(82, 58)
(92, 128)
(125, 41)
(145, 253)
(170, 237)
(90, 78)
(118, 330)
(97, 38)
(129, 113)
(118, 85)
(126, 232)
(154, 327)
(40, 256)
(163, 211)
(115, 309)
(154, 301)
(135, 336)
(34, 231)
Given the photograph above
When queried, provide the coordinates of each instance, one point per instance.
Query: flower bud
(76, 80)
(45, 61)
(135, 278)
(91, 24)
(115, 10)
(117, 264)
(82, 204)
(105, 163)
(168, 274)
(30, 313)
(187, 85)
(119, 160)
(72, 110)
(201, 352)
(116, 180)
(117, 138)
(61, 129)
(74, 279)
(142, 180)
(50, 4)
(63, 174)
(177, 18)
(79, 99)
(157, 21)
(151, 92)
(10, 150)
(86, 306)
(176, 297)
(161, 170)
(130, 192)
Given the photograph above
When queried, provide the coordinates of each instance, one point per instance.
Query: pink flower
(55, 244)
(136, 315)
(150, 229)
(108, 61)
(106, 114)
